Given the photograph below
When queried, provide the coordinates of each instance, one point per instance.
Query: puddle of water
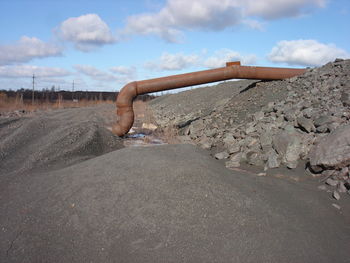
(134, 139)
(140, 139)
(136, 135)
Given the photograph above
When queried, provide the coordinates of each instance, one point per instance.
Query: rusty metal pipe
(233, 70)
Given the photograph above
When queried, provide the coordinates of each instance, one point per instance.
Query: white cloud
(104, 80)
(305, 52)
(273, 9)
(169, 61)
(151, 25)
(124, 74)
(180, 61)
(61, 82)
(183, 14)
(254, 24)
(214, 15)
(26, 49)
(95, 73)
(19, 71)
(123, 70)
(222, 56)
(87, 32)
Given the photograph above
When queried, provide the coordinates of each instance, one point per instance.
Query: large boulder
(289, 147)
(332, 151)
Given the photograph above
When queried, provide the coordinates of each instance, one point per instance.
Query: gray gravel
(57, 138)
(195, 103)
(169, 203)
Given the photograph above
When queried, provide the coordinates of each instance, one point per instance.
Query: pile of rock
(280, 123)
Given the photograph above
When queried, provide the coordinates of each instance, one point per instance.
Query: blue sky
(102, 45)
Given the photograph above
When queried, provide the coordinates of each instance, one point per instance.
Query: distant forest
(52, 95)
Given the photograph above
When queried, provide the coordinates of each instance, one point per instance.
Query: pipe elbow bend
(125, 110)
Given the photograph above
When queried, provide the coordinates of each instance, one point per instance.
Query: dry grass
(170, 134)
(143, 114)
(12, 104)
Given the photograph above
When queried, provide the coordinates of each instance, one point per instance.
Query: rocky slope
(305, 119)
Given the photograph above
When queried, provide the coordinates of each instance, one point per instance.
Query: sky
(102, 45)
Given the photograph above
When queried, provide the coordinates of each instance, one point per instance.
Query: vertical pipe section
(231, 71)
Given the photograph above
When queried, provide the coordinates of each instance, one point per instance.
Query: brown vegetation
(144, 119)
(143, 113)
(8, 104)
(170, 134)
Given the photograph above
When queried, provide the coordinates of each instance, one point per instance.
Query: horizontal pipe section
(232, 71)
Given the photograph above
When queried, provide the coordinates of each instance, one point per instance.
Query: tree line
(52, 95)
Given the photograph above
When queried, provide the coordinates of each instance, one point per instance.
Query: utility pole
(73, 90)
(33, 90)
